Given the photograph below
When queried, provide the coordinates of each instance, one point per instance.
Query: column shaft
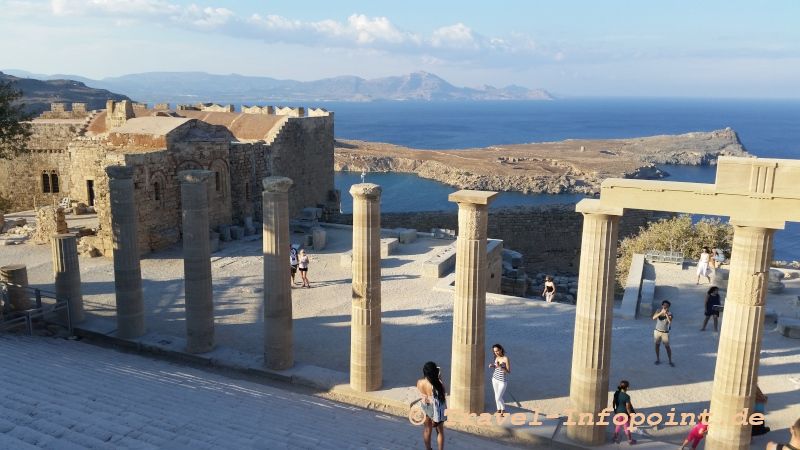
(469, 303)
(591, 350)
(736, 372)
(197, 261)
(16, 275)
(67, 273)
(366, 359)
(278, 326)
(127, 271)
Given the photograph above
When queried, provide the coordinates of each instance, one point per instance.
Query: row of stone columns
(740, 340)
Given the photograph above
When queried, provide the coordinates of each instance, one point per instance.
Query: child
(696, 435)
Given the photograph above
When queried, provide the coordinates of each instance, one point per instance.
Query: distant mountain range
(37, 94)
(190, 87)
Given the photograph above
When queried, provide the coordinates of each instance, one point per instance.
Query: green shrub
(677, 234)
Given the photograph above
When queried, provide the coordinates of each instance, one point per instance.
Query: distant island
(571, 166)
(37, 95)
(190, 87)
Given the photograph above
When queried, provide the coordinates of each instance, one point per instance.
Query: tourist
(302, 266)
(697, 434)
(794, 442)
(433, 402)
(712, 301)
(760, 407)
(293, 261)
(717, 257)
(702, 265)
(502, 367)
(549, 289)
(663, 320)
(623, 409)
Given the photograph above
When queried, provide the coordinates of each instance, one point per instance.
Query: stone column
(740, 338)
(591, 348)
(127, 271)
(366, 358)
(67, 273)
(278, 326)
(197, 261)
(17, 276)
(469, 304)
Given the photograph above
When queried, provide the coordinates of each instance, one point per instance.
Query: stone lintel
(472, 196)
(366, 190)
(194, 176)
(758, 223)
(595, 206)
(276, 184)
(119, 172)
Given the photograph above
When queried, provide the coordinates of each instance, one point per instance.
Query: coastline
(571, 166)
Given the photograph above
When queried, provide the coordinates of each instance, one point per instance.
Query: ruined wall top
(59, 111)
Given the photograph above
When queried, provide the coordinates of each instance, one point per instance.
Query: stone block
(647, 296)
(633, 286)
(237, 232)
(440, 263)
(319, 238)
(406, 235)
(388, 246)
(50, 220)
(312, 214)
(225, 233)
(512, 257)
(789, 327)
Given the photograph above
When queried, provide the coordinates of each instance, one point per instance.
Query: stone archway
(759, 196)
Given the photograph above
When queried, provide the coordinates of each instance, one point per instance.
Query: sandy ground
(417, 327)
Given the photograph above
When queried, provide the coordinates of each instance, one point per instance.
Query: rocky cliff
(571, 166)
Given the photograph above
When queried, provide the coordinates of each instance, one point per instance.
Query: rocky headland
(570, 166)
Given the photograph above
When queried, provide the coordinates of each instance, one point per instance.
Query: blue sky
(571, 48)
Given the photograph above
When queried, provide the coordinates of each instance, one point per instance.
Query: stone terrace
(417, 326)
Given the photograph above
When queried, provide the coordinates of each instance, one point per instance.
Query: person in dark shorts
(663, 320)
(293, 261)
(712, 300)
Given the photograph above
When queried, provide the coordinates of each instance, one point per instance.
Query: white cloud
(457, 36)
(456, 42)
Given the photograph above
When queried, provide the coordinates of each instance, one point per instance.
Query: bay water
(766, 128)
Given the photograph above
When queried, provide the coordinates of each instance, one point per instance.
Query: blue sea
(766, 128)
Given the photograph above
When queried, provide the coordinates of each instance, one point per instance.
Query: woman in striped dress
(502, 367)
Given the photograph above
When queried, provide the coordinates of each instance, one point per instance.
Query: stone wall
(22, 176)
(549, 237)
(303, 151)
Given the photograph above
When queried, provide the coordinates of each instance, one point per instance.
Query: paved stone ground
(417, 327)
(68, 395)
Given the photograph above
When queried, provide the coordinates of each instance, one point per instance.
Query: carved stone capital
(276, 184)
(366, 190)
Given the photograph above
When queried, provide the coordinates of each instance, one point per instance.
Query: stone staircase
(69, 395)
(276, 130)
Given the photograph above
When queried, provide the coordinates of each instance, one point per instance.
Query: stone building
(69, 151)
